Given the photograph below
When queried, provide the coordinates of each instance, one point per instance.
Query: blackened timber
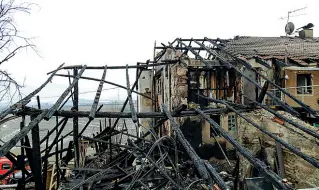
(57, 154)
(198, 163)
(65, 93)
(142, 66)
(37, 163)
(76, 119)
(88, 122)
(263, 92)
(129, 96)
(6, 147)
(27, 99)
(271, 135)
(248, 66)
(269, 174)
(83, 114)
(229, 65)
(97, 96)
(108, 82)
(304, 129)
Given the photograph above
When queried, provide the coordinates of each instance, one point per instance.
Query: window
(215, 133)
(304, 84)
(6, 166)
(231, 123)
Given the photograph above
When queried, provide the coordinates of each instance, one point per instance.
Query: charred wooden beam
(271, 135)
(199, 164)
(97, 96)
(141, 66)
(229, 65)
(65, 93)
(37, 163)
(82, 114)
(263, 92)
(57, 153)
(27, 99)
(269, 174)
(129, 95)
(76, 119)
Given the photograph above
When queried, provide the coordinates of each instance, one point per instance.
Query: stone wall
(297, 170)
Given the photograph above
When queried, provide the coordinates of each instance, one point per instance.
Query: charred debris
(186, 94)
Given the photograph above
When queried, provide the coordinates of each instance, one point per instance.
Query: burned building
(212, 114)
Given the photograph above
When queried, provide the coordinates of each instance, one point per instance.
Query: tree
(11, 42)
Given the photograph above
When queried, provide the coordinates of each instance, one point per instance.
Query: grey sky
(123, 32)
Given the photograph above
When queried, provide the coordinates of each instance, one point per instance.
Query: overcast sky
(120, 32)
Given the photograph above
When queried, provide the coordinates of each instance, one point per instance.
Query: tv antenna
(289, 12)
(289, 28)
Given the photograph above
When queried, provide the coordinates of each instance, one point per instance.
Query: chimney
(306, 33)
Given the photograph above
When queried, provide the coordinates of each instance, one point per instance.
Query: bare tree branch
(11, 42)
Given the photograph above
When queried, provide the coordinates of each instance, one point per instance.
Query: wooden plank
(76, 119)
(97, 96)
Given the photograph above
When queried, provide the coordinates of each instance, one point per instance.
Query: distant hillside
(82, 102)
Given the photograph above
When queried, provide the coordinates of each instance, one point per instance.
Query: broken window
(215, 133)
(304, 84)
(231, 122)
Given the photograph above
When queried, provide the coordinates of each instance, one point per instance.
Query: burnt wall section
(145, 104)
(297, 170)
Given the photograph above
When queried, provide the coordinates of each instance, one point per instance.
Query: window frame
(301, 90)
